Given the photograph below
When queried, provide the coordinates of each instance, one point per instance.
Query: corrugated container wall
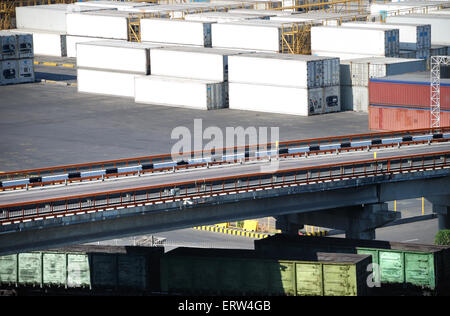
(353, 40)
(383, 118)
(176, 32)
(405, 94)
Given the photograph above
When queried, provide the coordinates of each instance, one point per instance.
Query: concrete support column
(443, 214)
(287, 224)
(358, 222)
(441, 206)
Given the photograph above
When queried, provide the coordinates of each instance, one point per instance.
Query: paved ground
(46, 125)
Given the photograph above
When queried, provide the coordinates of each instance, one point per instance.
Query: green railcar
(245, 272)
(92, 267)
(404, 264)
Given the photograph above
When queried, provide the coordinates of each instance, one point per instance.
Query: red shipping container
(389, 118)
(404, 93)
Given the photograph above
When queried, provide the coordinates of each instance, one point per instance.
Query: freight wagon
(191, 271)
(400, 264)
(84, 267)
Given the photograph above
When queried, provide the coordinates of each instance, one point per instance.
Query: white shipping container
(351, 40)
(47, 43)
(405, 7)
(176, 31)
(50, 17)
(277, 69)
(105, 24)
(178, 92)
(8, 72)
(440, 24)
(8, 45)
(221, 17)
(191, 62)
(357, 72)
(275, 99)
(112, 4)
(411, 36)
(342, 56)
(115, 55)
(262, 36)
(25, 70)
(105, 82)
(355, 98)
(72, 41)
(332, 99)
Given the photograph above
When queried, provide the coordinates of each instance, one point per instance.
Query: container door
(78, 271)
(54, 269)
(309, 279)
(282, 278)
(104, 270)
(339, 280)
(391, 266)
(207, 34)
(374, 254)
(9, 72)
(8, 269)
(133, 272)
(30, 268)
(420, 269)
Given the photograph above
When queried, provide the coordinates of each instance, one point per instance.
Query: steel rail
(198, 165)
(192, 190)
(125, 162)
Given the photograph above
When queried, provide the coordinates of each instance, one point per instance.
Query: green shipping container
(94, 267)
(8, 270)
(246, 272)
(413, 265)
(30, 269)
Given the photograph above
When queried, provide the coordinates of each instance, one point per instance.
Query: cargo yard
(357, 91)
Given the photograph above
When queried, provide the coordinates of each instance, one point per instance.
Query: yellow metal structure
(296, 38)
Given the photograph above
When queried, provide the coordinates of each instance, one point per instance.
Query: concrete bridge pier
(358, 222)
(441, 206)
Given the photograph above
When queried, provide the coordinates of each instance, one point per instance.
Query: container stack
(285, 84)
(354, 42)
(440, 24)
(48, 25)
(194, 77)
(16, 58)
(356, 73)
(412, 37)
(403, 102)
(109, 67)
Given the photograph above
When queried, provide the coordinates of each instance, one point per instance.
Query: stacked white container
(109, 67)
(16, 58)
(256, 35)
(354, 42)
(284, 84)
(48, 25)
(194, 77)
(176, 32)
(355, 76)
